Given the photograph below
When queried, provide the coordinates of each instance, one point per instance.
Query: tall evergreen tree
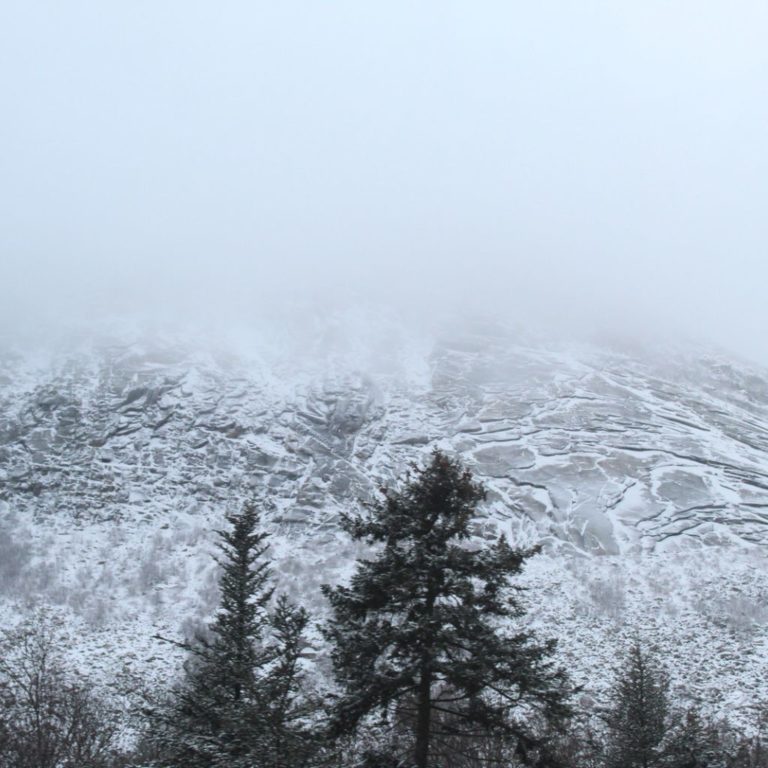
(286, 704)
(238, 696)
(638, 719)
(423, 634)
(242, 616)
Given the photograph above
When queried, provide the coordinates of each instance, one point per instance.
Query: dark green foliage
(694, 743)
(286, 705)
(579, 746)
(419, 635)
(242, 616)
(239, 703)
(638, 718)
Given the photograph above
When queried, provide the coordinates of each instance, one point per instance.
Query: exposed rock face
(647, 480)
(595, 449)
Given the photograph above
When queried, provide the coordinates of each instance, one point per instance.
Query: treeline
(429, 667)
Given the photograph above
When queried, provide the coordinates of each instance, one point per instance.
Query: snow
(646, 478)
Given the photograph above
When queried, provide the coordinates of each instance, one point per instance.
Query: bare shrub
(48, 719)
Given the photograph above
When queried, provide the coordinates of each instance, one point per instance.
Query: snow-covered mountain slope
(646, 476)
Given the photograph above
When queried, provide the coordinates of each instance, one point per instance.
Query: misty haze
(383, 385)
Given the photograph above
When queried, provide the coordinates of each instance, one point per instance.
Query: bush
(47, 718)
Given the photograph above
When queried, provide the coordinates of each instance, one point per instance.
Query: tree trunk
(423, 713)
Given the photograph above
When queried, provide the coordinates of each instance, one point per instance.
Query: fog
(596, 165)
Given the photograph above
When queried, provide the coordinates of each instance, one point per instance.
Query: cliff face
(645, 476)
(593, 448)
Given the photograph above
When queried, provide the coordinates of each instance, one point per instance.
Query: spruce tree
(638, 718)
(425, 634)
(287, 705)
(236, 704)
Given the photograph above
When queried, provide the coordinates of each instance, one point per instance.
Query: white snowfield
(644, 475)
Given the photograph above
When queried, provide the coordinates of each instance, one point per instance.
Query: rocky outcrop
(598, 450)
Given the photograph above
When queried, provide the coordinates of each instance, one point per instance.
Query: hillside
(645, 476)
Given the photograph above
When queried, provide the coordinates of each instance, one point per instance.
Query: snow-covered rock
(645, 476)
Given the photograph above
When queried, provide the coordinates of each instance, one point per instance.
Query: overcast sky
(598, 163)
